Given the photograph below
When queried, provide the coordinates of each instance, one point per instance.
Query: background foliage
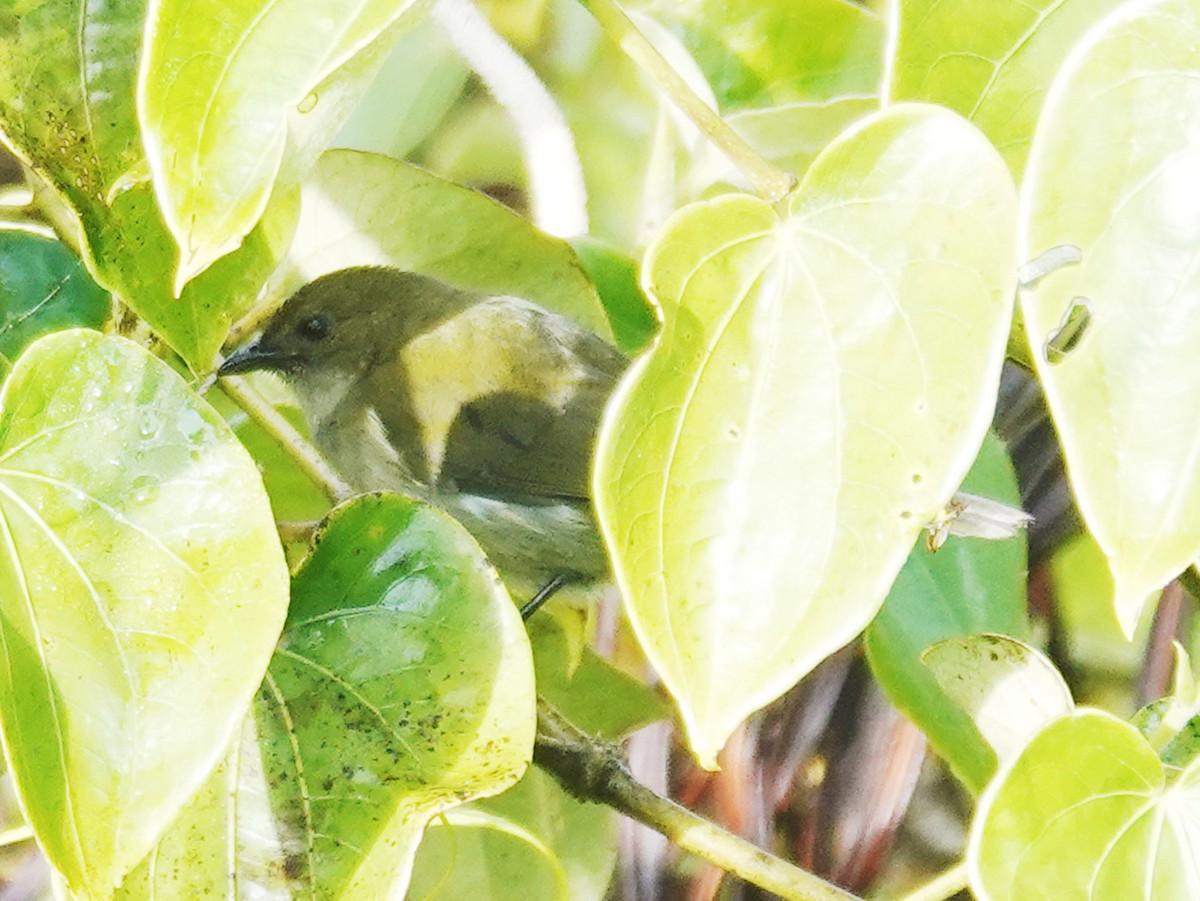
(818, 228)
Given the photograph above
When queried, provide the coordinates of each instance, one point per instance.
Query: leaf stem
(594, 771)
(276, 425)
(948, 882)
(768, 181)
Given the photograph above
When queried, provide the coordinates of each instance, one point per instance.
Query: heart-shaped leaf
(1112, 171)
(1087, 812)
(822, 383)
(142, 588)
(402, 687)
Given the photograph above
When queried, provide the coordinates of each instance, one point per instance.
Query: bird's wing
(507, 399)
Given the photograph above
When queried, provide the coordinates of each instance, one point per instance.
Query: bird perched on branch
(486, 406)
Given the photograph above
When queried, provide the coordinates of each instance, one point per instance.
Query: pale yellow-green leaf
(991, 60)
(1087, 813)
(142, 589)
(1008, 688)
(216, 84)
(822, 383)
(362, 209)
(1115, 170)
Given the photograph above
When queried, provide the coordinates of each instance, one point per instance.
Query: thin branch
(587, 768)
(770, 182)
(15, 835)
(556, 187)
(597, 772)
(946, 884)
(306, 456)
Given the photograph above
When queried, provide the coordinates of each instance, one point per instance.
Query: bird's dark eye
(314, 328)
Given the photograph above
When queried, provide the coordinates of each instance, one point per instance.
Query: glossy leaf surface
(402, 687)
(143, 591)
(43, 288)
(67, 85)
(822, 383)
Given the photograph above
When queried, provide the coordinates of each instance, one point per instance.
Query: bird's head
(348, 321)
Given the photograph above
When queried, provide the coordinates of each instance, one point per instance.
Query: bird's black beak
(252, 357)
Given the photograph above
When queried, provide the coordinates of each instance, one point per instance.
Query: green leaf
(360, 209)
(294, 496)
(768, 52)
(631, 315)
(214, 88)
(402, 687)
(43, 288)
(67, 79)
(821, 385)
(969, 586)
(142, 588)
(590, 692)
(1111, 171)
(1009, 689)
(990, 60)
(532, 843)
(1086, 812)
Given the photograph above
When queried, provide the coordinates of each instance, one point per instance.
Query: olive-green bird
(486, 406)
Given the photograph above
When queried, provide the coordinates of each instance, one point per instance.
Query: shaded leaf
(1126, 399)
(143, 590)
(360, 209)
(402, 687)
(969, 586)
(43, 288)
(590, 692)
(821, 385)
(630, 313)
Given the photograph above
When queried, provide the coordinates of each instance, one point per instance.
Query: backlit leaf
(142, 588)
(1087, 812)
(215, 85)
(990, 60)
(1114, 168)
(822, 383)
